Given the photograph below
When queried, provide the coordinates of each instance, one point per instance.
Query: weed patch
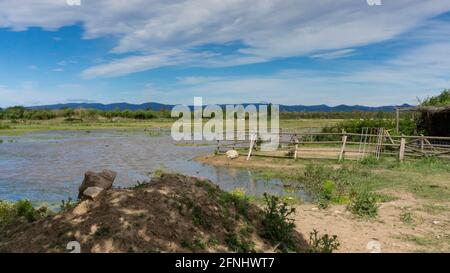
(322, 243)
(364, 204)
(278, 226)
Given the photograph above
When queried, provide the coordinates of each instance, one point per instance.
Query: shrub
(12, 212)
(407, 127)
(25, 209)
(8, 214)
(364, 203)
(278, 227)
(322, 244)
(442, 99)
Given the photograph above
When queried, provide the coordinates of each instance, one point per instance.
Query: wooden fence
(376, 142)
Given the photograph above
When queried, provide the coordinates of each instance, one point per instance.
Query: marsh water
(49, 166)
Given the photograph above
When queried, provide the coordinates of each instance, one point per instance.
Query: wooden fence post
(252, 142)
(401, 154)
(344, 141)
(295, 152)
(422, 142)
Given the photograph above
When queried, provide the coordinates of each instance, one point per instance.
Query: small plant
(406, 217)
(369, 161)
(159, 172)
(326, 194)
(364, 203)
(238, 244)
(199, 243)
(67, 205)
(278, 226)
(322, 244)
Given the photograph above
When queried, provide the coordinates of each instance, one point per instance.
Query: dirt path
(428, 229)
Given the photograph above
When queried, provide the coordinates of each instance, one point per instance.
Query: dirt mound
(172, 213)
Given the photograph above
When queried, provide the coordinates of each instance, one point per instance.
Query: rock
(373, 246)
(103, 180)
(232, 154)
(92, 193)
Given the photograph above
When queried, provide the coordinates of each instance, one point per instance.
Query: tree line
(23, 113)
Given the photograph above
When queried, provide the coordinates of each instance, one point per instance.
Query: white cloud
(165, 32)
(334, 54)
(417, 73)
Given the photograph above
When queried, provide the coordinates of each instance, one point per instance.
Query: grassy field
(27, 126)
(8, 127)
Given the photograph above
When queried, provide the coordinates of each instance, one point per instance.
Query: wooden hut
(435, 121)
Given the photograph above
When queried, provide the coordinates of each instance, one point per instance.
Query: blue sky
(282, 51)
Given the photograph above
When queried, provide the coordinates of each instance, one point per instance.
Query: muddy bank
(172, 213)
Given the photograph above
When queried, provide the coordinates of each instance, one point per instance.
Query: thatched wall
(435, 121)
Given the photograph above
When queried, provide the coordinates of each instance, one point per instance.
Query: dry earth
(173, 213)
(426, 229)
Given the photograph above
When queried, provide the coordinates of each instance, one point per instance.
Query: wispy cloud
(268, 30)
(334, 54)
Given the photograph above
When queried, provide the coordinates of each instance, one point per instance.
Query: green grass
(9, 128)
(19, 128)
(426, 178)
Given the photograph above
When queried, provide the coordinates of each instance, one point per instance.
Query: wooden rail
(375, 142)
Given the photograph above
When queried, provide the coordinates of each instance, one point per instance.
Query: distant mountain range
(283, 108)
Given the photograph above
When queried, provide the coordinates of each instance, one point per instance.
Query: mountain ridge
(283, 108)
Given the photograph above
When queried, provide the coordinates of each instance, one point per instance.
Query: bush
(322, 244)
(278, 227)
(328, 184)
(13, 212)
(25, 209)
(442, 99)
(7, 214)
(364, 203)
(407, 127)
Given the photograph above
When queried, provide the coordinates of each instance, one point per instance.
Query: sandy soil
(428, 230)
